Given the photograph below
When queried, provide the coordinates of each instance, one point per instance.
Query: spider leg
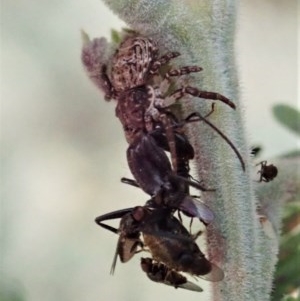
(260, 177)
(163, 60)
(262, 164)
(165, 84)
(183, 71)
(261, 171)
(130, 182)
(179, 93)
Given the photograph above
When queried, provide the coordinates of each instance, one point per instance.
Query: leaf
(288, 116)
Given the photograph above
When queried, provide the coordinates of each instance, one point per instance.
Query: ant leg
(196, 184)
(211, 111)
(179, 216)
(197, 234)
(201, 118)
(171, 140)
(153, 112)
(130, 182)
(107, 227)
(112, 215)
(190, 226)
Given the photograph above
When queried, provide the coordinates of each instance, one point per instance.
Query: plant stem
(203, 32)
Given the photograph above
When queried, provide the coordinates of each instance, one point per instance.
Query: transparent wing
(195, 208)
(215, 274)
(191, 286)
(126, 248)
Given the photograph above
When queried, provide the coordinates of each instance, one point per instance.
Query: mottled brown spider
(135, 63)
(141, 103)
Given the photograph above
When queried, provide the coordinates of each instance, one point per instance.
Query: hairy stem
(203, 32)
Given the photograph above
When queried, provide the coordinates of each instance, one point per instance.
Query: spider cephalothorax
(132, 63)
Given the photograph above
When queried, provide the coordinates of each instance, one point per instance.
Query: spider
(267, 172)
(141, 104)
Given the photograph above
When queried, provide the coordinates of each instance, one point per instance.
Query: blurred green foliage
(288, 117)
(287, 275)
(10, 292)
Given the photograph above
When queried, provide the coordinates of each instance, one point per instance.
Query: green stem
(204, 34)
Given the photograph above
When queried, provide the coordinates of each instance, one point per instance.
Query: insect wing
(215, 274)
(149, 164)
(191, 286)
(114, 263)
(126, 248)
(195, 208)
(188, 285)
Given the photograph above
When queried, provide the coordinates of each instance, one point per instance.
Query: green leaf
(115, 36)
(291, 154)
(288, 116)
